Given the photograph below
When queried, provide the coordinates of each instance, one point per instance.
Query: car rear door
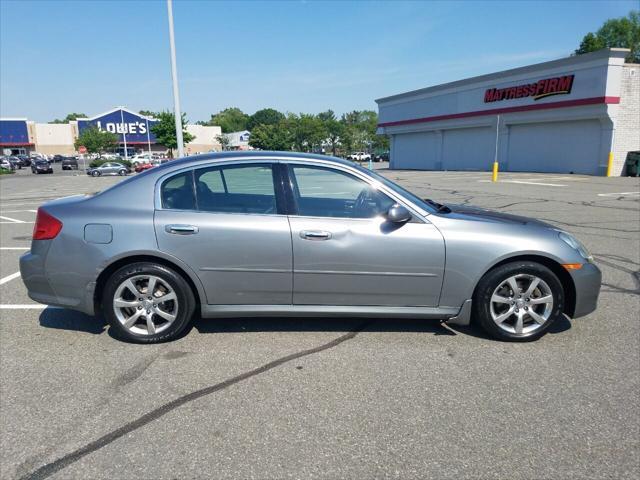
(225, 222)
(346, 253)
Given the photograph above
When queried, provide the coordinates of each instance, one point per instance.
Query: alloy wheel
(521, 304)
(145, 304)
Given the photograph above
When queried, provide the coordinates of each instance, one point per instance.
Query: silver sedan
(273, 233)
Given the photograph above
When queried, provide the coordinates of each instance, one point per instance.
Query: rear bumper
(39, 289)
(587, 281)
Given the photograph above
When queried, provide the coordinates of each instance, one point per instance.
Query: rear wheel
(518, 301)
(147, 303)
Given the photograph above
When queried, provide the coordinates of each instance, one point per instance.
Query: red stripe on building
(496, 111)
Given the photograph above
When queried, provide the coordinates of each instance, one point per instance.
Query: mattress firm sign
(546, 87)
(135, 128)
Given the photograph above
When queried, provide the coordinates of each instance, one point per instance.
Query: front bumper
(587, 281)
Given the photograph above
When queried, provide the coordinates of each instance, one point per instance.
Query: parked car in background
(141, 158)
(241, 234)
(58, 158)
(69, 163)
(6, 164)
(359, 157)
(140, 167)
(381, 157)
(16, 162)
(25, 159)
(109, 168)
(41, 166)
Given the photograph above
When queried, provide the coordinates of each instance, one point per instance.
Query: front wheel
(95, 174)
(122, 172)
(147, 303)
(518, 301)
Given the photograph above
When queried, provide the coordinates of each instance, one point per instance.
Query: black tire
(122, 172)
(492, 279)
(95, 173)
(186, 302)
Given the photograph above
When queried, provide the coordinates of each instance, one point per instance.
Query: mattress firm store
(564, 116)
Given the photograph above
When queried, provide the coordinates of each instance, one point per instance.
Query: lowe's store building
(19, 135)
(567, 115)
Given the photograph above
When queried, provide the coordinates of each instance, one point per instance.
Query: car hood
(483, 215)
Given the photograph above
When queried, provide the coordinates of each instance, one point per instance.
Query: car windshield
(429, 207)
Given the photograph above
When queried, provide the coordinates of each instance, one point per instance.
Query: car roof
(248, 155)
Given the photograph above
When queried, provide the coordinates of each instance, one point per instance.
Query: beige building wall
(627, 133)
(54, 138)
(205, 139)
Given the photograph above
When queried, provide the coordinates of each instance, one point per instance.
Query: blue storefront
(14, 135)
(133, 129)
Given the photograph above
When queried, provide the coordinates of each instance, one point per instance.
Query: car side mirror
(398, 214)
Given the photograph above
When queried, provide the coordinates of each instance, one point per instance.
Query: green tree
(272, 137)
(308, 131)
(96, 140)
(230, 120)
(333, 128)
(224, 141)
(266, 116)
(621, 32)
(165, 130)
(69, 118)
(360, 132)
(148, 113)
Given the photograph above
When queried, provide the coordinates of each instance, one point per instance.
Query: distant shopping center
(567, 116)
(19, 135)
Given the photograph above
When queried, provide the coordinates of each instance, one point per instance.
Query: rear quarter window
(177, 192)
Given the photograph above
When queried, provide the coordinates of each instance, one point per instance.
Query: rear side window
(236, 189)
(177, 192)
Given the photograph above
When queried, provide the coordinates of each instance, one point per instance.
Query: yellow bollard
(494, 177)
(610, 165)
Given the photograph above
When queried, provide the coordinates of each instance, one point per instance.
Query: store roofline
(573, 60)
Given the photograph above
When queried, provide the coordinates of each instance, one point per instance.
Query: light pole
(174, 77)
(124, 135)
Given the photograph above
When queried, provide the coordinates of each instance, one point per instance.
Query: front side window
(236, 189)
(322, 192)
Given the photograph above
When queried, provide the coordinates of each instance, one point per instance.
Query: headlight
(576, 245)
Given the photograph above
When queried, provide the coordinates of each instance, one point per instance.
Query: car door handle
(181, 229)
(315, 235)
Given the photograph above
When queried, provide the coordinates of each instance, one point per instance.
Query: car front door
(346, 253)
(225, 223)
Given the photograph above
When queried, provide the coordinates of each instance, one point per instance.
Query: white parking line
(537, 183)
(522, 182)
(16, 223)
(11, 220)
(14, 248)
(8, 278)
(632, 194)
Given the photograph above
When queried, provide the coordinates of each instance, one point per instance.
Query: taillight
(46, 227)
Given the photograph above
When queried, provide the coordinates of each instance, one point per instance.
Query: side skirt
(217, 311)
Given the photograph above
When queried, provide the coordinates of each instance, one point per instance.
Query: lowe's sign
(129, 126)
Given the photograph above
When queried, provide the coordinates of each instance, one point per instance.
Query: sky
(89, 56)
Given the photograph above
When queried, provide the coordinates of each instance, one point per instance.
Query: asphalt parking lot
(332, 398)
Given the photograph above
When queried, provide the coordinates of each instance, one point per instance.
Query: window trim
(419, 211)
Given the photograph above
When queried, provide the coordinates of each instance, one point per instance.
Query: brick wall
(627, 134)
